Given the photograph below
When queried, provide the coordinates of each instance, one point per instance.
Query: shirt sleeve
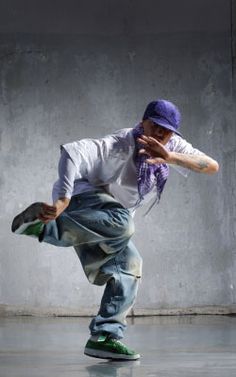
(66, 172)
(180, 145)
(99, 161)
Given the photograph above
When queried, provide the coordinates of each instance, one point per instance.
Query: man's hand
(154, 149)
(157, 154)
(51, 212)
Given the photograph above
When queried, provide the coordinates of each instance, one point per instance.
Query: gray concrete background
(84, 70)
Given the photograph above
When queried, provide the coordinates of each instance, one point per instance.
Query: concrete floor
(170, 346)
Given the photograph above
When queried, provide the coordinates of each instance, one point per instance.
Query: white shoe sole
(109, 355)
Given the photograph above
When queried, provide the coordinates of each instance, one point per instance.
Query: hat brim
(163, 123)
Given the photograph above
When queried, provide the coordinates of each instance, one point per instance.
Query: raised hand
(156, 152)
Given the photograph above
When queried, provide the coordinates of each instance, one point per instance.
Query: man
(101, 184)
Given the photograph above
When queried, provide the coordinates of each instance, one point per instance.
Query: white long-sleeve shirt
(109, 163)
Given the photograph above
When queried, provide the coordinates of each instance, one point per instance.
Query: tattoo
(203, 164)
(193, 162)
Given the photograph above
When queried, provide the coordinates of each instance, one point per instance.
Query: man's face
(159, 133)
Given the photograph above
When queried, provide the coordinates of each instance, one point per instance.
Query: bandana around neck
(148, 174)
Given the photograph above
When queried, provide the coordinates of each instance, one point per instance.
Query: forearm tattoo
(203, 164)
(193, 162)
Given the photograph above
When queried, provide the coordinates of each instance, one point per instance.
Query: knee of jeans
(129, 228)
(135, 266)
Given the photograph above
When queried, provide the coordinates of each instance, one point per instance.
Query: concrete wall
(85, 71)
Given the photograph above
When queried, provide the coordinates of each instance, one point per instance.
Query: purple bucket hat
(165, 114)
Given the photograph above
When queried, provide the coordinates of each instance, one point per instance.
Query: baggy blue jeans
(99, 228)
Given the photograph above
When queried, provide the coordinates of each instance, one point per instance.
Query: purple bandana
(148, 174)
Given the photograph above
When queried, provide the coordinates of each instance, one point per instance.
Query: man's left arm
(198, 163)
(185, 156)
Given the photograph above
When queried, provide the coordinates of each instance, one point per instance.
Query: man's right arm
(66, 172)
(83, 157)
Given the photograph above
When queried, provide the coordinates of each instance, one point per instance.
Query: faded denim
(99, 228)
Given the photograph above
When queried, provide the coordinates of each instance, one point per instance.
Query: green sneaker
(106, 348)
(27, 222)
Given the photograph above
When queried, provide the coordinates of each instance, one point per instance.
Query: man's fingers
(43, 219)
(46, 219)
(144, 139)
(141, 141)
(48, 209)
(155, 160)
(49, 213)
(144, 151)
(151, 140)
(43, 216)
(148, 151)
(155, 141)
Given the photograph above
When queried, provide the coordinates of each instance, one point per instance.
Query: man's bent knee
(129, 229)
(132, 265)
(123, 222)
